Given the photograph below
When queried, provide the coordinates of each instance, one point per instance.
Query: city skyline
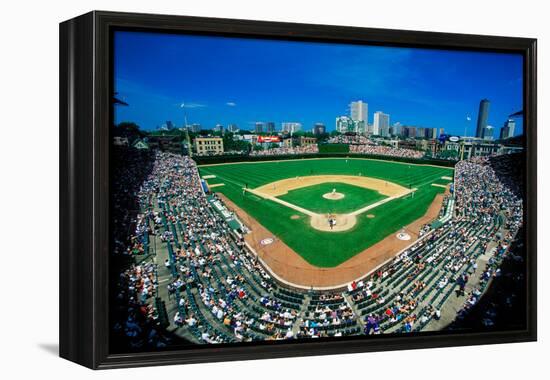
(220, 80)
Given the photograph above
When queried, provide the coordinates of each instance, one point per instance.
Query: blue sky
(234, 80)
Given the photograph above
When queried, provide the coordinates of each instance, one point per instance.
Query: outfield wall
(208, 160)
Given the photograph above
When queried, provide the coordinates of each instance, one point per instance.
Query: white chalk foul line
(381, 202)
(280, 201)
(312, 214)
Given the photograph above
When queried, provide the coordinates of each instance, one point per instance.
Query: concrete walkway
(164, 277)
(453, 305)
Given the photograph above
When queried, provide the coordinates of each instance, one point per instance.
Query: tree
(322, 137)
(448, 154)
(128, 129)
(305, 134)
(230, 144)
(173, 133)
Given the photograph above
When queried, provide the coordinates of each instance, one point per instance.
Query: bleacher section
(219, 293)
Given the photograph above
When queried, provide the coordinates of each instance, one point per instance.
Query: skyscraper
(421, 132)
(259, 127)
(482, 117)
(270, 127)
(291, 127)
(396, 129)
(359, 111)
(381, 124)
(487, 133)
(508, 129)
(409, 132)
(344, 124)
(319, 129)
(431, 133)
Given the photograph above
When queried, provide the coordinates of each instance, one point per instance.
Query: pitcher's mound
(333, 196)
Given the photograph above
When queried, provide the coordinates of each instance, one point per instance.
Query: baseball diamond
(314, 196)
(379, 198)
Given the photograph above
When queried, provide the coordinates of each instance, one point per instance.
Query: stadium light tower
(468, 119)
(117, 101)
(188, 140)
(182, 105)
(516, 114)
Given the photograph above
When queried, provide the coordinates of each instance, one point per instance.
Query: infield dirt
(278, 188)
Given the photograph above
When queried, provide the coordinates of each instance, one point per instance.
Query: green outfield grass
(329, 249)
(441, 181)
(311, 197)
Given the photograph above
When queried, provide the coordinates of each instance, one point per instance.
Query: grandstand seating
(224, 295)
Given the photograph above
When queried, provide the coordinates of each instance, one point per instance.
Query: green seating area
(222, 294)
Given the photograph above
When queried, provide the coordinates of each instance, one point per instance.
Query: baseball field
(297, 200)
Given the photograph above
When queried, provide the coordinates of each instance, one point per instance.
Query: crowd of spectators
(318, 322)
(350, 139)
(503, 302)
(487, 197)
(223, 294)
(129, 172)
(498, 193)
(142, 327)
(135, 315)
(302, 149)
(485, 189)
(203, 247)
(383, 150)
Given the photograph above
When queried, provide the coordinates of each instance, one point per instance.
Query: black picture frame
(85, 117)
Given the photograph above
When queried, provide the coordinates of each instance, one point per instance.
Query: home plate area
(333, 222)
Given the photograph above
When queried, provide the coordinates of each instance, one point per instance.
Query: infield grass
(311, 197)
